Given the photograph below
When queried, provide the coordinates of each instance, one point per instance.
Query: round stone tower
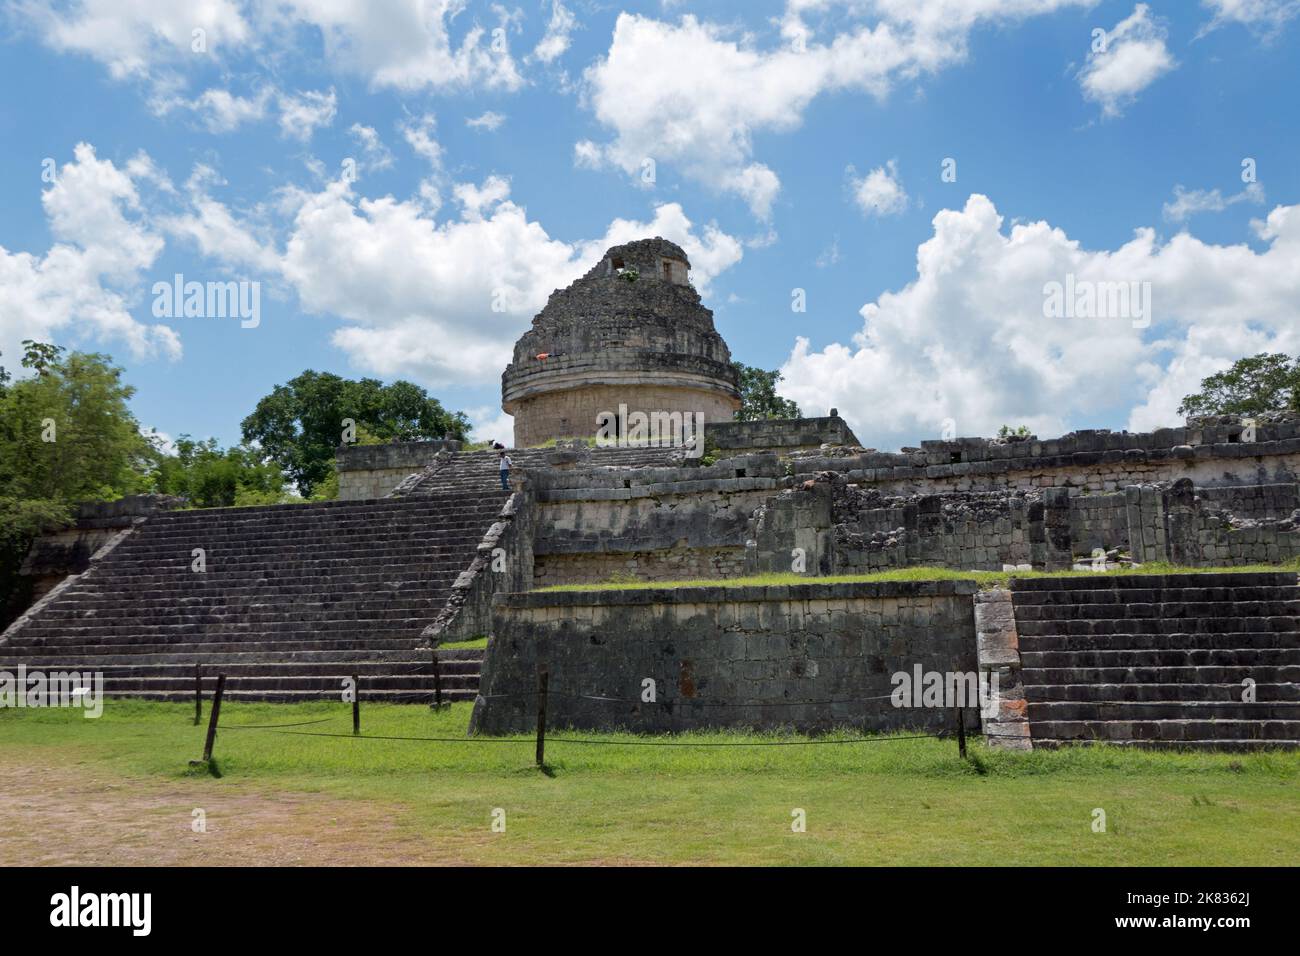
(629, 336)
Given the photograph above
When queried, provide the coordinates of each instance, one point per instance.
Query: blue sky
(499, 148)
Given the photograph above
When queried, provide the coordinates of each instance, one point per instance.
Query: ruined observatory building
(630, 333)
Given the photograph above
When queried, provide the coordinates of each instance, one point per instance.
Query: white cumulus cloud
(968, 338)
(1189, 202)
(556, 39)
(80, 290)
(408, 45)
(696, 93)
(1134, 56)
(444, 301)
(488, 120)
(301, 114)
(879, 193)
(1264, 17)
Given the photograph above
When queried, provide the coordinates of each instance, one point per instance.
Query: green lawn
(474, 643)
(880, 802)
(985, 579)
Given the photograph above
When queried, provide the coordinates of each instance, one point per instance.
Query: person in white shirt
(505, 471)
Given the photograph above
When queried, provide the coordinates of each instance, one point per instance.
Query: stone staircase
(294, 599)
(1159, 661)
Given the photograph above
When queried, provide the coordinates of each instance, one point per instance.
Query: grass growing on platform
(985, 579)
(474, 643)
(891, 800)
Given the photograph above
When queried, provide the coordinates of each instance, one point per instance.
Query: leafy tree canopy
(66, 436)
(301, 423)
(1257, 383)
(212, 478)
(67, 433)
(758, 398)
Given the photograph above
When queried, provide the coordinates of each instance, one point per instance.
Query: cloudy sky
(874, 194)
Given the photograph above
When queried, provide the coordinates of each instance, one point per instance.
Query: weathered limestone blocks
(631, 332)
(1212, 453)
(846, 528)
(808, 656)
(998, 651)
(57, 554)
(372, 471)
(503, 561)
(654, 523)
(782, 436)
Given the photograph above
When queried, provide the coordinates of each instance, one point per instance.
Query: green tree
(66, 435)
(758, 398)
(212, 478)
(301, 423)
(1257, 383)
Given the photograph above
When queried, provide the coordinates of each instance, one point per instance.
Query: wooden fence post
(542, 678)
(356, 705)
(961, 733)
(437, 680)
(198, 694)
(213, 718)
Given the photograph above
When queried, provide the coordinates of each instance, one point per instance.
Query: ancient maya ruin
(424, 548)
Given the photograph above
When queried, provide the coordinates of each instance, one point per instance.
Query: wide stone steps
(1170, 675)
(411, 679)
(81, 658)
(368, 632)
(1181, 660)
(1162, 693)
(1177, 732)
(1152, 595)
(1027, 588)
(1206, 625)
(253, 693)
(340, 551)
(250, 609)
(1091, 711)
(1164, 657)
(116, 674)
(1169, 610)
(295, 599)
(388, 648)
(214, 595)
(1227, 640)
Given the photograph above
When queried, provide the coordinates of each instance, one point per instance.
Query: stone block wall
(575, 412)
(795, 526)
(1098, 521)
(780, 435)
(372, 471)
(1210, 453)
(664, 564)
(57, 554)
(846, 529)
(841, 529)
(809, 656)
(1257, 502)
(654, 523)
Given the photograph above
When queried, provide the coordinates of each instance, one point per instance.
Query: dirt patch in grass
(67, 816)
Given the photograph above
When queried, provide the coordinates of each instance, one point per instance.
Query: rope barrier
(300, 723)
(591, 742)
(686, 701)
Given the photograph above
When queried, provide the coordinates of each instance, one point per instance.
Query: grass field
(985, 579)
(120, 790)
